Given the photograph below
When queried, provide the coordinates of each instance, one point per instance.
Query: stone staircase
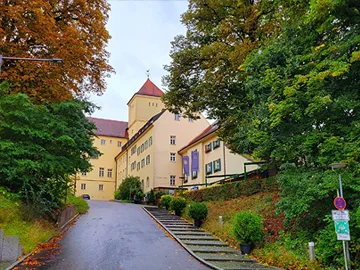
(201, 244)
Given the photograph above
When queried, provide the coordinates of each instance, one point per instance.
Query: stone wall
(65, 215)
(10, 248)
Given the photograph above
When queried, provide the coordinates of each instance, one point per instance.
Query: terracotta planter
(245, 248)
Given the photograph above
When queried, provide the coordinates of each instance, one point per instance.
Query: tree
(41, 147)
(71, 30)
(129, 188)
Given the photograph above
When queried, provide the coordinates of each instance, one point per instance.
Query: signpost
(340, 203)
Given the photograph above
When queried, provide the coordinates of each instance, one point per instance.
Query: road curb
(181, 243)
(29, 254)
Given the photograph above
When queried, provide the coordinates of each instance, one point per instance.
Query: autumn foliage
(71, 30)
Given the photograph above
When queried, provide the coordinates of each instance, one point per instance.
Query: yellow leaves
(355, 56)
(319, 47)
(289, 91)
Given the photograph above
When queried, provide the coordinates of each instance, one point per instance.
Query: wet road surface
(119, 236)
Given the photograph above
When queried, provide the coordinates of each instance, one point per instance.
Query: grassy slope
(30, 232)
(264, 204)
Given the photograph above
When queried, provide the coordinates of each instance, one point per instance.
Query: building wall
(185, 131)
(141, 109)
(92, 179)
(230, 163)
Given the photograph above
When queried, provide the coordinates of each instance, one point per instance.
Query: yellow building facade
(151, 145)
(215, 161)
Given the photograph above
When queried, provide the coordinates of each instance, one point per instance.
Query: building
(151, 145)
(100, 182)
(215, 161)
(155, 135)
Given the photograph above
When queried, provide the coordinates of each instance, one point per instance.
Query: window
(101, 187)
(94, 156)
(153, 104)
(146, 144)
(173, 157)
(109, 172)
(142, 148)
(147, 159)
(138, 151)
(149, 103)
(83, 173)
(216, 144)
(172, 180)
(138, 166)
(101, 172)
(172, 140)
(103, 142)
(83, 186)
(110, 141)
(143, 163)
(142, 184)
(147, 182)
(208, 168)
(177, 117)
(150, 141)
(119, 144)
(133, 150)
(208, 147)
(190, 120)
(133, 165)
(156, 104)
(217, 165)
(194, 174)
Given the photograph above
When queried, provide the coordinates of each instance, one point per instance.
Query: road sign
(342, 229)
(340, 203)
(340, 214)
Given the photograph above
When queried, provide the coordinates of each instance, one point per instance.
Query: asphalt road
(119, 236)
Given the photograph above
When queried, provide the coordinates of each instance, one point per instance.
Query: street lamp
(345, 245)
(51, 60)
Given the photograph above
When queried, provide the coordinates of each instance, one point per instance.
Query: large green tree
(42, 146)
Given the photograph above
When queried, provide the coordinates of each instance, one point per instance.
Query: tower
(143, 105)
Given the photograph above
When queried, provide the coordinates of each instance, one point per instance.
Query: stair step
(224, 257)
(233, 265)
(204, 243)
(184, 233)
(196, 237)
(212, 249)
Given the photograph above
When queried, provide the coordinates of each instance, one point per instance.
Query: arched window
(147, 181)
(142, 184)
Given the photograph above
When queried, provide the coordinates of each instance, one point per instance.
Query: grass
(80, 204)
(30, 232)
(272, 252)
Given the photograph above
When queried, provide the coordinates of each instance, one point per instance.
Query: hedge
(232, 190)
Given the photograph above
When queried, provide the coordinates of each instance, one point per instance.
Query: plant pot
(245, 248)
(197, 223)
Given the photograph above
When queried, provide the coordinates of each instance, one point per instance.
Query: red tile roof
(214, 127)
(110, 128)
(148, 89)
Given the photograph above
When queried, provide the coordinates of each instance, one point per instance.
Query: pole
(1, 57)
(346, 252)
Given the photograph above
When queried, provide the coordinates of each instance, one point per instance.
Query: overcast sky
(141, 34)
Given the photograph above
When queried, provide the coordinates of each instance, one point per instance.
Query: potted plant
(178, 205)
(165, 201)
(248, 230)
(198, 212)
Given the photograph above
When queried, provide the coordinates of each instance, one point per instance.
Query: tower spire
(148, 73)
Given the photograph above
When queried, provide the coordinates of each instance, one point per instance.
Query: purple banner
(195, 161)
(185, 162)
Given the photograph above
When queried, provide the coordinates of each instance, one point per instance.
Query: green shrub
(178, 205)
(117, 194)
(80, 204)
(248, 228)
(151, 199)
(230, 191)
(158, 195)
(129, 187)
(198, 211)
(165, 201)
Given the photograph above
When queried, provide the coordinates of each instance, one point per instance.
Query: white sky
(141, 34)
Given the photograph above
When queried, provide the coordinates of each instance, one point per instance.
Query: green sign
(342, 226)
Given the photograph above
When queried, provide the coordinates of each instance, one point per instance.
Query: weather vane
(148, 73)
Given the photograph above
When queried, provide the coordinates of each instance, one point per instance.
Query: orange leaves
(71, 30)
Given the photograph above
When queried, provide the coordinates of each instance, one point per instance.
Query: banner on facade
(185, 162)
(194, 161)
